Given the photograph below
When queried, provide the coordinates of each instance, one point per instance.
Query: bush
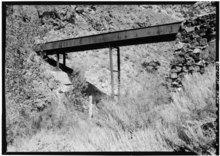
(189, 122)
(76, 97)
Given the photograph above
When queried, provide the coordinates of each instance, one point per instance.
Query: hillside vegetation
(149, 116)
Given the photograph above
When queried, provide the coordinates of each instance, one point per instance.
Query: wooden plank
(119, 38)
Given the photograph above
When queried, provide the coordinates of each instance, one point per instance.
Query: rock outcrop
(193, 48)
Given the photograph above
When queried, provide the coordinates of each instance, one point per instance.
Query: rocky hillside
(195, 47)
(74, 21)
(64, 22)
(40, 104)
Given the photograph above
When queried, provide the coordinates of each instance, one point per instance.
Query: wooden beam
(111, 70)
(119, 70)
(64, 59)
(58, 58)
(152, 34)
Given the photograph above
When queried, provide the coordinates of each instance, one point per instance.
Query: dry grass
(146, 122)
(93, 138)
(189, 121)
(116, 126)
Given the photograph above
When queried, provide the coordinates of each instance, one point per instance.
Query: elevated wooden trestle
(152, 34)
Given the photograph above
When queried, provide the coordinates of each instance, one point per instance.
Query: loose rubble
(151, 66)
(192, 50)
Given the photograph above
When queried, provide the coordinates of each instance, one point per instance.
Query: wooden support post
(41, 54)
(90, 107)
(111, 70)
(119, 70)
(64, 59)
(58, 57)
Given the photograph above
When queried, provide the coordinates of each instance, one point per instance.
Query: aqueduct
(152, 34)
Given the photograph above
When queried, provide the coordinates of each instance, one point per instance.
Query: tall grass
(147, 121)
(120, 126)
(189, 121)
(88, 137)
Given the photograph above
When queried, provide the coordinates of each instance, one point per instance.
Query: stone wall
(194, 48)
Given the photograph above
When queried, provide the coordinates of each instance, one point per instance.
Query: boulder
(179, 45)
(173, 75)
(191, 68)
(185, 69)
(203, 42)
(187, 55)
(190, 61)
(65, 88)
(173, 70)
(197, 50)
(180, 60)
(181, 75)
(62, 77)
(200, 63)
(51, 85)
(179, 36)
(179, 79)
(178, 68)
(196, 57)
(186, 48)
(175, 84)
(79, 10)
(178, 53)
(189, 29)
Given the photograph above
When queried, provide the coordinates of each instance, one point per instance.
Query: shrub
(189, 122)
(77, 99)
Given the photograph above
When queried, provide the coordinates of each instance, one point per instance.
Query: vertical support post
(58, 57)
(41, 54)
(111, 70)
(64, 59)
(119, 70)
(90, 107)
